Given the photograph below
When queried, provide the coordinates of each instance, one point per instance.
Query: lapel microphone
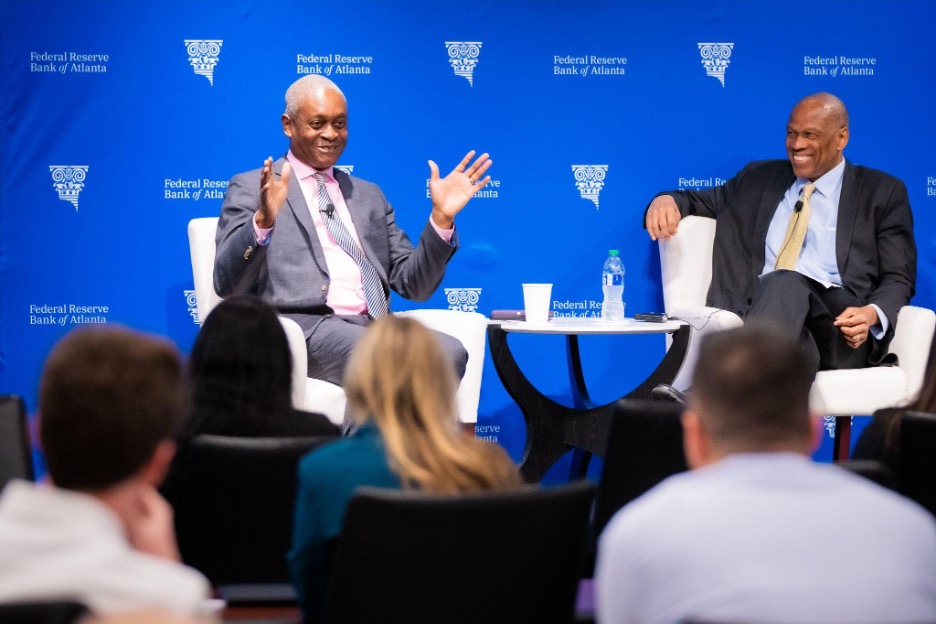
(799, 202)
(329, 209)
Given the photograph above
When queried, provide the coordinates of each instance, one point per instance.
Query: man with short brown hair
(110, 400)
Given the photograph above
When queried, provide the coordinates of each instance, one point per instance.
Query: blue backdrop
(121, 121)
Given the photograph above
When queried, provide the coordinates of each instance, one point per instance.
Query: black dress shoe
(666, 392)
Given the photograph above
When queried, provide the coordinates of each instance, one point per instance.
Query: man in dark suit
(325, 248)
(841, 292)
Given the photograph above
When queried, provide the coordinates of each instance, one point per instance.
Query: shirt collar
(827, 184)
(304, 171)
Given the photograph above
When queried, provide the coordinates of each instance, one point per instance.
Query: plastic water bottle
(612, 284)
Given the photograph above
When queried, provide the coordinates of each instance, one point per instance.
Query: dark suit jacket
(874, 242)
(291, 271)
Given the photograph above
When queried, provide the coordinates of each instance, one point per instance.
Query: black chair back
(15, 449)
(234, 501)
(414, 557)
(645, 446)
(916, 463)
(871, 469)
(41, 612)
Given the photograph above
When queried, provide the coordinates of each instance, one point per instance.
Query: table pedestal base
(553, 429)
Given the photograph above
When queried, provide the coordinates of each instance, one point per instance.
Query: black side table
(553, 429)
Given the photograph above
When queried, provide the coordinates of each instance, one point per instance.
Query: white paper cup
(536, 302)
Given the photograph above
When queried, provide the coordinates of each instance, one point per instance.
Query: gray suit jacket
(291, 272)
(874, 243)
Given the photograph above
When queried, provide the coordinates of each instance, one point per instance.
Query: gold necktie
(795, 233)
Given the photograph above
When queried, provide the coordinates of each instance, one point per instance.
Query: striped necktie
(796, 232)
(373, 289)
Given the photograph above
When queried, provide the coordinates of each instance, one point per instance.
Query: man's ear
(842, 139)
(696, 444)
(287, 125)
(154, 471)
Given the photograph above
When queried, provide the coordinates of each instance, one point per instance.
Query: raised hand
(272, 193)
(451, 193)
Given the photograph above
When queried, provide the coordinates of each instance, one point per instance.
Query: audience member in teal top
(401, 395)
(327, 480)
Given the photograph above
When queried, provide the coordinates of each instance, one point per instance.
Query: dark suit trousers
(807, 309)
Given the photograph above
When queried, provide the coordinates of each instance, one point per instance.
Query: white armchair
(686, 263)
(320, 396)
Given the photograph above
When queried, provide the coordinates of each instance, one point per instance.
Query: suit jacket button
(324, 287)
(248, 252)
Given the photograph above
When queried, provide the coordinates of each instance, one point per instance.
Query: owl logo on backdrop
(715, 58)
(463, 56)
(463, 299)
(589, 180)
(203, 55)
(68, 181)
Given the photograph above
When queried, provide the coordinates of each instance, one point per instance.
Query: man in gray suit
(325, 248)
(840, 293)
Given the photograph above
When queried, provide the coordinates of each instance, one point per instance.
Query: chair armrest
(300, 360)
(311, 395)
(325, 398)
(913, 336)
(686, 263)
(707, 319)
(471, 329)
(201, 235)
(702, 320)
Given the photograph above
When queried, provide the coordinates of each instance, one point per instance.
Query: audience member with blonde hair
(401, 395)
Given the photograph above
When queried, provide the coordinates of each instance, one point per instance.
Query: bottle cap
(612, 252)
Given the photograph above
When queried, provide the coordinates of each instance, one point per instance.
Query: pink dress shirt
(346, 291)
